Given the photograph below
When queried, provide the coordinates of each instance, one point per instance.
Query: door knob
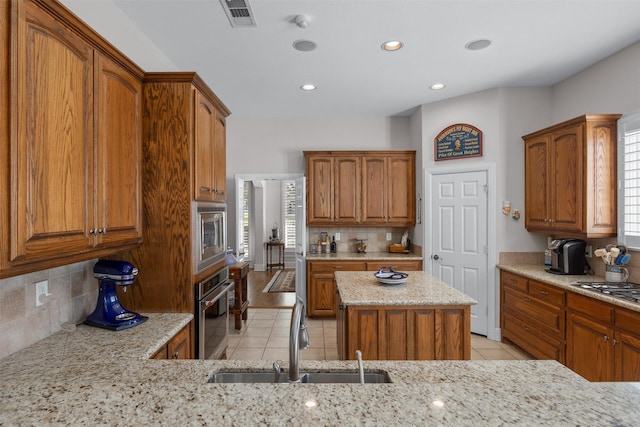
(436, 257)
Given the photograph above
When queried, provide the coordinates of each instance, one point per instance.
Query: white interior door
(459, 238)
(301, 242)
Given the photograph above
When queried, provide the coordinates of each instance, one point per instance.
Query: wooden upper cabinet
(76, 151)
(347, 183)
(52, 171)
(119, 152)
(320, 193)
(361, 188)
(570, 178)
(210, 151)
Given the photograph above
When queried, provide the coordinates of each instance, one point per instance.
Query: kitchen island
(420, 319)
(89, 376)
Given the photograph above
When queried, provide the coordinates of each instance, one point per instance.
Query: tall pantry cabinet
(70, 107)
(183, 128)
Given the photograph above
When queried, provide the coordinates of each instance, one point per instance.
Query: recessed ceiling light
(304, 45)
(308, 87)
(437, 86)
(391, 45)
(478, 44)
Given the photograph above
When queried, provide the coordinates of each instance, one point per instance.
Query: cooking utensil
(600, 252)
(625, 259)
(614, 252)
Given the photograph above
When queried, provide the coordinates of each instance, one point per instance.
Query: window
(629, 174)
(289, 213)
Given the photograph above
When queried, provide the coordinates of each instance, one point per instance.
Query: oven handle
(213, 297)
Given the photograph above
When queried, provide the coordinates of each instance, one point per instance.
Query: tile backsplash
(376, 237)
(73, 292)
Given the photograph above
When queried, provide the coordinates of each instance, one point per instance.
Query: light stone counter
(421, 288)
(89, 376)
(373, 256)
(537, 272)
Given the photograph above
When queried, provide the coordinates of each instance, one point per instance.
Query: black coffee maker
(109, 314)
(568, 256)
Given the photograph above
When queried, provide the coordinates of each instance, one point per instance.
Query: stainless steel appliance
(210, 240)
(212, 316)
(568, 256)
(623, 290)
(109, 314)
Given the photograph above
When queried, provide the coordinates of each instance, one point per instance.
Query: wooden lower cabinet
(533, 316)
(178, 347)
(321, 283)
(603, 341)
(404, 332)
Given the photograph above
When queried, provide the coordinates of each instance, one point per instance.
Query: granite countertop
(88, 376)
(537, 272)
(369, 256)
(421, 288)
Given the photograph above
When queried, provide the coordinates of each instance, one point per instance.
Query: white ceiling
(256, 71)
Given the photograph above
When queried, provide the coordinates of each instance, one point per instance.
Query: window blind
(629, 174)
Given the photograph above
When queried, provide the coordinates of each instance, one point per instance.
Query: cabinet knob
(544, 292)
(615, 342)
(174, 355)
(102, 231)
(205, 189)
(527, 299)
(92, 231)
(605, 338)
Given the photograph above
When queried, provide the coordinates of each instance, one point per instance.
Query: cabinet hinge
(485, 250)
(486, 189)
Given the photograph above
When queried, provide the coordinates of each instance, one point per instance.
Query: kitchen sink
(335, 377)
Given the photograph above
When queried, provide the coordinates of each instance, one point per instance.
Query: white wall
(275, 145)
(610, 86)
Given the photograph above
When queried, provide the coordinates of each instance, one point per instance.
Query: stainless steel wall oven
(212, 316)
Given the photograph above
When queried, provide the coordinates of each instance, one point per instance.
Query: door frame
(493, 326)
(240, 178)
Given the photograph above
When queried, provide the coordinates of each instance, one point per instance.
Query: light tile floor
(265, 336)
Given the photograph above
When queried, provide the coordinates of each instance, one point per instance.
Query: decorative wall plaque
(458, 141)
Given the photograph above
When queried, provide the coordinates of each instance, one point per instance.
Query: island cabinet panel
(533, 316)
(570, 178)
(603, 340)
(75, 108)
(404, 332)
(374, 188)
(414, 265)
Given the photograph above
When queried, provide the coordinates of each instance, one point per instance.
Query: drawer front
(549, 319)
(396, 265)
(547, 293)
(628, 320)
(593, 308)
(513, 281)
(338, 266)
(532, 341)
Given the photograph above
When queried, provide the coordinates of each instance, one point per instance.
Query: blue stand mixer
(109, 314)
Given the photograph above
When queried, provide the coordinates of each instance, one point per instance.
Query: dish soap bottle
(334, 246)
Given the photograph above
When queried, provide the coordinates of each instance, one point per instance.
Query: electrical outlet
(588, 252)
(337, 236)
(42, 290)
(388, 236)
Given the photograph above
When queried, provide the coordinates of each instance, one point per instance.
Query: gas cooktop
(623, 290)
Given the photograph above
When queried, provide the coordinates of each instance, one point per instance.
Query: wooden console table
(238, 273)
(270, 246)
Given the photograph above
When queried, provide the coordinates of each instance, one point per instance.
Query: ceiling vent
(239, 13)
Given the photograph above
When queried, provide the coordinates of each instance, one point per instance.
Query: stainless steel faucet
(298, 340)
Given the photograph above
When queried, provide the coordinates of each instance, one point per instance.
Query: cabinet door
(589, 348)
(220, 159)
(566, 185)
(347, 182)
(180, 345)
(374, 190)
(341, 327)
(52, 157)
(321, 295)
(364, 325)
(320, 190)
(627, 355)
(401, 190)
(536, 177)
(204, 134)
(119, 151)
